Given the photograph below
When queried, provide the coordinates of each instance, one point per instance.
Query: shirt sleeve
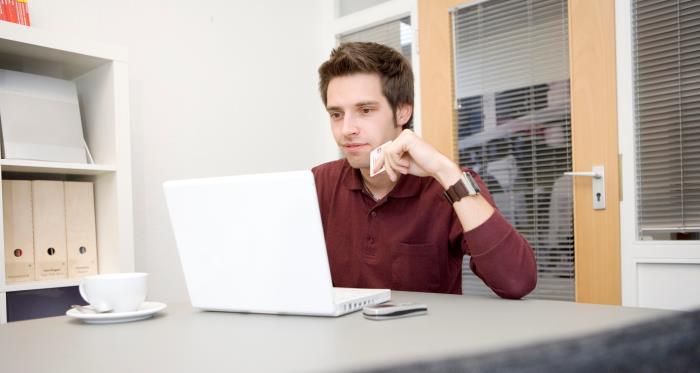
(500, 256)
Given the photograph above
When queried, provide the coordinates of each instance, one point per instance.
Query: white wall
(217, 88)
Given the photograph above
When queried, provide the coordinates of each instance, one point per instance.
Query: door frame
(636, 252)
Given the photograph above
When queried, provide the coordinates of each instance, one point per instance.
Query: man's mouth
(354, 146)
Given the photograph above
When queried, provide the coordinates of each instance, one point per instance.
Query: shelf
(20, 44)
(35, 285)
(45, 167)
(101, 75)
(27, 41)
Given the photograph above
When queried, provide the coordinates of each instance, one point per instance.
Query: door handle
(597, 175)
(592, 174)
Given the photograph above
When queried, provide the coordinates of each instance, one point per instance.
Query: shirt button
(371, 240)
(374, 213)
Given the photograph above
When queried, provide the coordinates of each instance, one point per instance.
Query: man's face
(361, 117)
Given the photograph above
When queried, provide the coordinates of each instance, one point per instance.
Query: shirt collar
(408, 185)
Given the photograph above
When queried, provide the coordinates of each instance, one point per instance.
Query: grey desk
(185, 339)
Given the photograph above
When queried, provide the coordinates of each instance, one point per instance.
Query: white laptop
(254, 243)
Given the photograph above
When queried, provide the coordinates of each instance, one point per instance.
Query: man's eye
(335, 115)
(366, 110)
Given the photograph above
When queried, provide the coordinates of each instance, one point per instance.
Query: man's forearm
(500, 256)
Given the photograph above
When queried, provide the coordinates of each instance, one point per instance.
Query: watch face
(470, 183)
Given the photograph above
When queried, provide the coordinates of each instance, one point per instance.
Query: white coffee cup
(118, 292)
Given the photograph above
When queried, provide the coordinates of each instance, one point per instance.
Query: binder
(81, 242)
(19, 240)
(48, 211)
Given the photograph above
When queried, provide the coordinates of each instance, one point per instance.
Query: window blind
(396, 34)
(666, 52)
(513, 126)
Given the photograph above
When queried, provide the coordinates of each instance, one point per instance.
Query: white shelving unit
(16, 165)
(101, 75)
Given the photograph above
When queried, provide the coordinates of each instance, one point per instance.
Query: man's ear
(403, 114)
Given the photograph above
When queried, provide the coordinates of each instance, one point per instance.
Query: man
(397, 229)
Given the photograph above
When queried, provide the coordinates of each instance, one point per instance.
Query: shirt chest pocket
(415, 267)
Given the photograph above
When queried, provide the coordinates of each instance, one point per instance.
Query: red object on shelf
(9, 10)
(15, 11)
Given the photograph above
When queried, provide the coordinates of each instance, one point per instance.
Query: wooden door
(593, 127)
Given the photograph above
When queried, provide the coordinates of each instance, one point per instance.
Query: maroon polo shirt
(413, 240)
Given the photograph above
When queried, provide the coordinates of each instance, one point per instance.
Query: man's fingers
(396, 159)
(401, 143)
(391, 173)
(389, 167)
(401, 164)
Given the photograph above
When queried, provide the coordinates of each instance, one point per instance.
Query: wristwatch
(466, 186)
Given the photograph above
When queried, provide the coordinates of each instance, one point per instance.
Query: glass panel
(514, 126)
(396, 34)
(346, 7)
(666, 48)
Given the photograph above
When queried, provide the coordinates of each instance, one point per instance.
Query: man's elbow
(519, 287)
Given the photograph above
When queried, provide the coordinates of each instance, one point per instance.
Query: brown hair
(362, 57)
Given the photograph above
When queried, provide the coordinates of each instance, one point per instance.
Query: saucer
(146, 310)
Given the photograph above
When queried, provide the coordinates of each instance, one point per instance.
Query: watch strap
(466, 186)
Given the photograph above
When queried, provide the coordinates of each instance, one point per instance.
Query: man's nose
(349, 126)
